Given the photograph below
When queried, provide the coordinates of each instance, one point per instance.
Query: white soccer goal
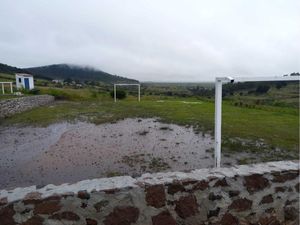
(115, 90)
(10, 85)
(218, 104)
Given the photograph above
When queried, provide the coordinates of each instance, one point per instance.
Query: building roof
(23, 74)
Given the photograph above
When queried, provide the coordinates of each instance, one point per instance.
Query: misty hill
(65, 71)
(4, 68)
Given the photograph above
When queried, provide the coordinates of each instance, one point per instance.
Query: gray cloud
(169, 40)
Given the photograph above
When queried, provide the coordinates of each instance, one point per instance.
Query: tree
(261, 89)
(120, 94)
(68, 80)
(280, 84)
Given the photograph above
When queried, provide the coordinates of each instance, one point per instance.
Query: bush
(94, 93)
(280, 84)
(120, 94)
(262, 89)
(59, 95)
(58, 85)
(34, 91)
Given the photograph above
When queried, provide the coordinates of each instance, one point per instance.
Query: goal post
(218, 104)
(3, 87)
(115, 90)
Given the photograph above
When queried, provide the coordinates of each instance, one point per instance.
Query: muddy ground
(66, 152)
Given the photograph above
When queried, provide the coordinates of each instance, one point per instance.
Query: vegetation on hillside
(77, 73)
(70, 73)
(4, 68)
(252, 94)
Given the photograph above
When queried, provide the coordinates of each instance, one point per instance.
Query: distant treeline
(247, 87)
(253, 87)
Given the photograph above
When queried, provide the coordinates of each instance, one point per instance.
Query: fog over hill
(65, 71)
(75, 72)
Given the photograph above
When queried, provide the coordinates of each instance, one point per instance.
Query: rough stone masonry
(12, 106)
(261, 194)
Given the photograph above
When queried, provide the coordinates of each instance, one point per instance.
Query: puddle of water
(67, 152)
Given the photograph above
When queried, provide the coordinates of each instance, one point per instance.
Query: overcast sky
(154, 40)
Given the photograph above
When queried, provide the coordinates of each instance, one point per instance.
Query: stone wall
(12, 106)
(254, 194)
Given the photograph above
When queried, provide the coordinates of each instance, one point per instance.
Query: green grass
(82, 94)
(277, 126)
(4, 97)
(7, 77)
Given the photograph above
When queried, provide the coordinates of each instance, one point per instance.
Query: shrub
(94, 93)
(120, 94)
(262, 89)
(34, 91)
(58, 85)
(59, 95)
(280, 84)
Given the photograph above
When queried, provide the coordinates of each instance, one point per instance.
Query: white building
(58, 81)
(25, 81)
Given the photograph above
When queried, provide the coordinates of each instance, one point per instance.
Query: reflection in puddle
(67, 152)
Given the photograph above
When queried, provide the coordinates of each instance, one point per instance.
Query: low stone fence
(262, 194)
(12, 106)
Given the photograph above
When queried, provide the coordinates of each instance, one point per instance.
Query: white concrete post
(115, 93)
(139, 92)
(11, 88)
(218, 122)
(2, 88)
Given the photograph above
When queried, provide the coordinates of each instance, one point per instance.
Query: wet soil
(65, 152)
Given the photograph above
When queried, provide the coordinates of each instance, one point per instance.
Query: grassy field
(277, 127)
(246, 127)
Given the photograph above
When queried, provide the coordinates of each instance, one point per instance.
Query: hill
(65, 71)
(4, 68)
(79, 73)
